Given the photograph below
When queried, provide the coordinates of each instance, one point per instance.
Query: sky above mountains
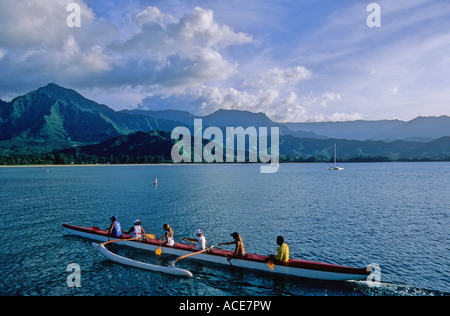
(293, 60)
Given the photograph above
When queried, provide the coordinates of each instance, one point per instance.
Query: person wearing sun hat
(199, 240)
(136, 231)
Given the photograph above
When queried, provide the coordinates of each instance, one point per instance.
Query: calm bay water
(394, 214)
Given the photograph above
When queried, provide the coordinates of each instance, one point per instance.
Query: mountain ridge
(223, 118)
(155, 147)
(385, 130)
(420, 128)
(53, 118)
(65, 117)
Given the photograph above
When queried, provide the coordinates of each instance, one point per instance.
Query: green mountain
(169, 115)
(156, 146)
(438, 149)
(353, 150)
(139, 147)
(53, 117)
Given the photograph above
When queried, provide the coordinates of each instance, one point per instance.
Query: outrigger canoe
(295, 267)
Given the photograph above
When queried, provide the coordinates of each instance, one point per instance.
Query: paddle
(159, 250)
(151, 236)
(229, 260)
(271, 264)
(192, 254)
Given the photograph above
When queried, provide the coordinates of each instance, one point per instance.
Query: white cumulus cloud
(277, 76)
(328, 97)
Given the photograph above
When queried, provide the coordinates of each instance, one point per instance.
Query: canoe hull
(297, 268)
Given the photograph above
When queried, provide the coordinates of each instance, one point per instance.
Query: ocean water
(396, 215)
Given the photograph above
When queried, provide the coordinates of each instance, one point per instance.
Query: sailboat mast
(335, 155)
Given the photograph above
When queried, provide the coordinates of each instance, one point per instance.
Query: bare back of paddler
(240, 249)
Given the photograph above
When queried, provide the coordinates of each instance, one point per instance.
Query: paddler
(168, 235)
(240, 249)
(114, 229)
(199, 240)
(137, 230)
(282, 255)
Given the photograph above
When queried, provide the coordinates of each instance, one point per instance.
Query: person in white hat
(136, 231)
(199, 240)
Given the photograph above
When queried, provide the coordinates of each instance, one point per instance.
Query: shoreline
(204, 164)
(124, 165)
(82, 165)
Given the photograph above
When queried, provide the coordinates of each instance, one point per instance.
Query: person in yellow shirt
(282, 255)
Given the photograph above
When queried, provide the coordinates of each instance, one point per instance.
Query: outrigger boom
(295, 267)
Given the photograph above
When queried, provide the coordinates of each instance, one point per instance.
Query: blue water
(396, 215)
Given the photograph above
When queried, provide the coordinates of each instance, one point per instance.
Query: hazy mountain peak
(223, 118)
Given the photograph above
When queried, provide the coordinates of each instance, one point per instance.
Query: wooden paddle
(229, 260)
(151, 236)
(192, 254)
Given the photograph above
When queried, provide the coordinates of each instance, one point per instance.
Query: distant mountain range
(53, 119)
(421, 129)
(224, 118)
(141, 147)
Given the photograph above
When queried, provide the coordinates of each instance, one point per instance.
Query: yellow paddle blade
(151, 236)
(271, 265)
(158, 251)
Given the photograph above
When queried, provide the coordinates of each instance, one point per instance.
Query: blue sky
(296, 61)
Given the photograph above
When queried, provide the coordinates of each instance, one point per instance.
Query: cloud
(162, 53)
(338, 117)
(92, 59)
(200, 29)
(390, 72)
(29, 24)
(279, 105)
(272, 92)
(295, 62)
(277, 76)
(177, 54)
(328, 97)
(42, 48)
(153, 15)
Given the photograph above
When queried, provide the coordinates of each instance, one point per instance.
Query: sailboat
(335, 167)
